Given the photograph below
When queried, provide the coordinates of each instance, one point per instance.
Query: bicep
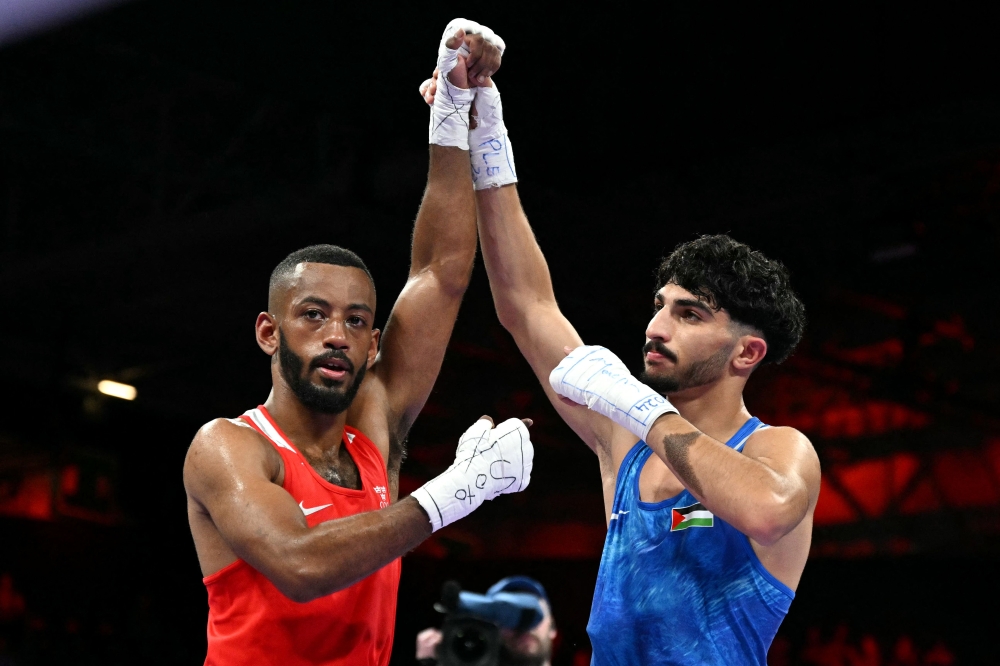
(542, 336)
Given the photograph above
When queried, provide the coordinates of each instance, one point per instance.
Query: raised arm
(525, 303)
(444, 247)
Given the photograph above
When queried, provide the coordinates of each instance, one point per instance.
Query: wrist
(490, 153)
(449, 124)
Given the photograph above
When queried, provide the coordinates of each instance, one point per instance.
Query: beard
(699, 373)
(327, 399)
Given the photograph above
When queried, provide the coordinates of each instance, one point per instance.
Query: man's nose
(660, 327)
(335, 335)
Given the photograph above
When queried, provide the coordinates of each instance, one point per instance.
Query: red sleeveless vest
(251, 622)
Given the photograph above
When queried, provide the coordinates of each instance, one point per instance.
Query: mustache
(659, 348)
(332, 354)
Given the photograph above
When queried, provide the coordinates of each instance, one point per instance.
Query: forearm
(741, 490)
(338, 553)
(518, 273)
(444, 235)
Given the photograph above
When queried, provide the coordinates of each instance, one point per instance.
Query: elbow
(303, 582)
(454, 272)
(775, 518)
(511, 317)
(299, 586)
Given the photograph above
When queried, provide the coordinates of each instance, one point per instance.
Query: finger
(568, 350)
(527, 422)
(456, 39)
(482, 62)
(486, 66)
(484, 417)
(475, 45)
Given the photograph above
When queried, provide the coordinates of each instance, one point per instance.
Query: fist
(478, 58)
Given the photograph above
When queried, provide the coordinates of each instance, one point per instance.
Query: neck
(308, 429)
(716, 409)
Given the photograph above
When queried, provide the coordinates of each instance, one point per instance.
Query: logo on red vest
(381, 492)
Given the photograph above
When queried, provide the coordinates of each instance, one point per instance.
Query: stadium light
(116, 389)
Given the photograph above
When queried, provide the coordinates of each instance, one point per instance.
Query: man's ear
(267, 333)
(373, 347)
(752, 350)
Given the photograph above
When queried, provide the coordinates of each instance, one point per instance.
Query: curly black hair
(754, 290)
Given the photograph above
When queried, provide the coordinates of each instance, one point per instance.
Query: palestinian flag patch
(691, 516)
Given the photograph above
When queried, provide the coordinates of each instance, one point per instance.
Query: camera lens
(469, 644)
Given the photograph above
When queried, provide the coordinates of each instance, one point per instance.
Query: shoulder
(787, 446)
(223, 446)
(778, 436)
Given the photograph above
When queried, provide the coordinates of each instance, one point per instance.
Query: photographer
(530, 646)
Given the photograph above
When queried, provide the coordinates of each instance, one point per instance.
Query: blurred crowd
(33, 636)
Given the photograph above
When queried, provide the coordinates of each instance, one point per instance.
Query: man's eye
(691, 315)
(314, 314)
(356, 321)
(657, 307)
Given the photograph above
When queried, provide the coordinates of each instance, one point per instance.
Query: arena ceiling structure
(158, 159)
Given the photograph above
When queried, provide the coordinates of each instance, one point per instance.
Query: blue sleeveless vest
(678, 585)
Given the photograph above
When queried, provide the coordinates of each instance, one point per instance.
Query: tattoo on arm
(676, 449)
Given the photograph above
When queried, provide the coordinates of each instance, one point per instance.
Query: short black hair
(317, 254)
(756, 291)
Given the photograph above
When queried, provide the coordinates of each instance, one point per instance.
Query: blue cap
(518, 584)
(512, 610)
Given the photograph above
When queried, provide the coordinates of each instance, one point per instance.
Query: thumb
(456, 40)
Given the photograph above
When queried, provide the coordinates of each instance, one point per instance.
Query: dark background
(158, 159)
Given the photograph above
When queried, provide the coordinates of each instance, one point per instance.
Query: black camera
(471, 629)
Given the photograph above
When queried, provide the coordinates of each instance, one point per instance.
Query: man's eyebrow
(360, 306)
(326, 304)
(317, 300)
(694, 303)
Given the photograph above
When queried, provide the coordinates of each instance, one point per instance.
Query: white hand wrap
(489, 462)
(595, 377)
(490, 152)
(450, 111)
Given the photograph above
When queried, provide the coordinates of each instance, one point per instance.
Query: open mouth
(334, 368)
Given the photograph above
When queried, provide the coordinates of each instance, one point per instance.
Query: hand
(427, 643)
(488, 462)
(478, 56)
(595, 377)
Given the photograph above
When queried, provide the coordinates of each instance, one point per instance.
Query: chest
(320, 500)
(336, 467)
